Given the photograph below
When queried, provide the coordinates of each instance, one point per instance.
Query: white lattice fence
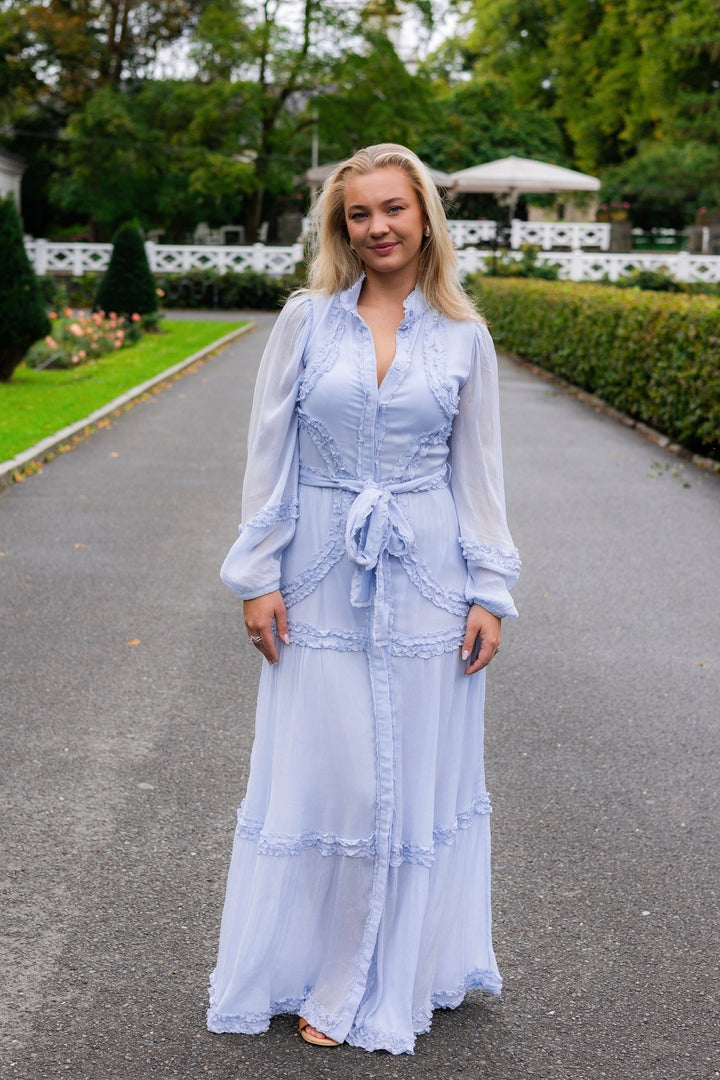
(593, 266)
(49, 257)
(575, 235)
(546, 234)
(575, 265)
(470, 233)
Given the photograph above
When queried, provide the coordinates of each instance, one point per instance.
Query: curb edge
(43, 451)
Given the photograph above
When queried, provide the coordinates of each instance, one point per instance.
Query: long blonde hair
(334, 265)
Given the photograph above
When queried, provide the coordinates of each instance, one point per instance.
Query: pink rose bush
(80, 337)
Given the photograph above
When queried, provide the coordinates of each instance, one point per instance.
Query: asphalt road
(127, 698)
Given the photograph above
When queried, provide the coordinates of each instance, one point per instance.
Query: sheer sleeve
(477, 485)
(269, 501)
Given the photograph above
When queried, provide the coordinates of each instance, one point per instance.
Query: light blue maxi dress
(359, 889)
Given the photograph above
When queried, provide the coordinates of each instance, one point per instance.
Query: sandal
(316, 1040)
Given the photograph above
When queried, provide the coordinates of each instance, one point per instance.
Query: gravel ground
(127, 695)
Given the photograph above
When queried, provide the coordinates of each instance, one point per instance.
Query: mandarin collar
(414, 305)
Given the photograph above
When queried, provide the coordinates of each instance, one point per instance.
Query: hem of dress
(360, 1035)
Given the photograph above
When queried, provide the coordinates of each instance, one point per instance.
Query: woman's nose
(378, 225)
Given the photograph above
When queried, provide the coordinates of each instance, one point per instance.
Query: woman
(374, 564)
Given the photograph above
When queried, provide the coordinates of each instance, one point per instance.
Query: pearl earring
(427, 230)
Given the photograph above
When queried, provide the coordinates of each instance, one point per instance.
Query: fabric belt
(376, 529)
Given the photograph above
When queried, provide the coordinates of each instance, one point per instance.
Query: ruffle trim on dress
(364, 848)
(419, 573)
(331, 553)
(328, 356)
(324, 443)
(421, 855)
(492, 556)
(435, 366)
(422, 647)
(360, 1035)
(337, 639)
(420, 449)
(368, 1038)
(286, 844)
(271, 515)
(250, 1023)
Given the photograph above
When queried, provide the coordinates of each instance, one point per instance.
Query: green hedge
(194, 289)
(653, 356)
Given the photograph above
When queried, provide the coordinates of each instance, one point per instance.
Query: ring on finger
(254, 640)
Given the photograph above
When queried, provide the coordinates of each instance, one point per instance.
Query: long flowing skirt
(359, 888)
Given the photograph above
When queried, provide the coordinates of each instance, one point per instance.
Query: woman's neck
(390, 290)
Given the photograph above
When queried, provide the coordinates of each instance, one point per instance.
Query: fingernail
(286, 639)
(465, 653)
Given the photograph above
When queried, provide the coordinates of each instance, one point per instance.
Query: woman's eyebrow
(385, 202)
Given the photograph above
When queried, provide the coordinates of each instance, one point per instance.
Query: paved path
(127, 697)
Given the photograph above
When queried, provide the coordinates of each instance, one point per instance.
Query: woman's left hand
(486, 629)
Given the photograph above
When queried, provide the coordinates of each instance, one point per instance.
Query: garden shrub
(209, 289)
(74, 292)
(503, 264)
(642, 277)
(654, 356)
(22, 311)
(128, 285)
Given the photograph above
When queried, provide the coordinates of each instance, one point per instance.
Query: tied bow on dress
(376, 529)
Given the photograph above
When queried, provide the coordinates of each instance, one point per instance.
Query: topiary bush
(23, 318)
(654, 356)
(128, 285)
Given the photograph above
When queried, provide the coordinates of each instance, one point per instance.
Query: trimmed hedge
(229, 291)
(653, 356)
(193, 289)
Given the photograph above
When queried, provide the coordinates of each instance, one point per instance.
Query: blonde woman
(374, 563)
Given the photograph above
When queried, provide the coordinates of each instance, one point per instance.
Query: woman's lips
(382, 249)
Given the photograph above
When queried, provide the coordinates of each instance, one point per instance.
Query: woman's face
(384, 220)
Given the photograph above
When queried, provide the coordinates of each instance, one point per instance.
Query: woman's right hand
(259, 615)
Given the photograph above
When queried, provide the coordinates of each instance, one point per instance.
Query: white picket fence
(575, 265)
(595, 265)
(50, 257)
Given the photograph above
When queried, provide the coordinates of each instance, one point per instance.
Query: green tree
(478, 120)
(666, 184)
(22, 312)
(285, 51)
(619, 77)
(128, 286)
(167, 153)
(373, 98)
(71, 47)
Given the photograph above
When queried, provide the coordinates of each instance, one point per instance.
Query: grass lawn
(35, 404)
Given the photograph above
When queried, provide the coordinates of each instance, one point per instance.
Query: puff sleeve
(477, 485)
(269, 502)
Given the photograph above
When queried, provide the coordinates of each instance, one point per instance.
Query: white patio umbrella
(515, 176)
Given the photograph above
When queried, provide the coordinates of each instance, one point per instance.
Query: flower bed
(653, 356)
(78, 337)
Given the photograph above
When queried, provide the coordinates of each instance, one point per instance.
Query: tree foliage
(615, 87)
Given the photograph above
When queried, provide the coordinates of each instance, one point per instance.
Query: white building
(12, 168)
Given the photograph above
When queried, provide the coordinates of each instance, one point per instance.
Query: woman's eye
(357, 215)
